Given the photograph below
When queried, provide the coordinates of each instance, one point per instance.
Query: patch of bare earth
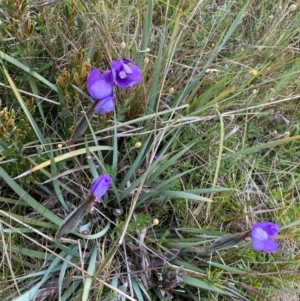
(286, 297)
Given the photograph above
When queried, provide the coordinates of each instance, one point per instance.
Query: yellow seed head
(61, 81)
(10, 122)
(254, 91)
(292, 7)
(65, 76)
(146, 60)
(87, 65)
(83, 72)
(271, 17)
(287, 134)
(155, 222)
(28, 24)
(59, 145)
(138, 145)
(76, 78)
(231, 117)
(123, 45)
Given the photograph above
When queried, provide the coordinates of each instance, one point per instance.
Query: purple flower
(262, 235)
(125, 73)
(100, 88)
(100, 186)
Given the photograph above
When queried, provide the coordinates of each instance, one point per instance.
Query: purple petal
(127, 60)
(271, 246)
(259, 234)
(106, 75)
(116, 66)
(100, 186)
(127, 69)
(94, 75)
(135, 76)
(258, 245)
(105, 106)
(271, 228)
(100, 86)
(259, 239)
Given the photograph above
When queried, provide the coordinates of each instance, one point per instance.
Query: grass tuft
(206, 146)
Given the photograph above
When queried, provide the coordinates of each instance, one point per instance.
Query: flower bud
(100, 186)
(138, 145)
(155, 222)
(171, 90)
